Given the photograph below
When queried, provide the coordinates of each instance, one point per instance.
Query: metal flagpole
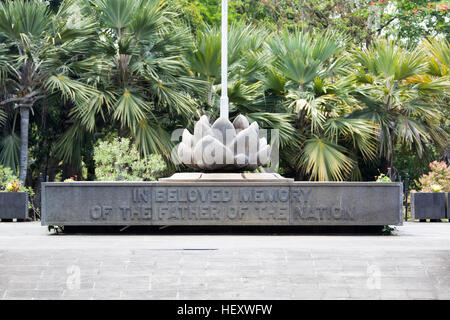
(224, 96)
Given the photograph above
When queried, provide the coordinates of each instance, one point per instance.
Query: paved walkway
(412, 264)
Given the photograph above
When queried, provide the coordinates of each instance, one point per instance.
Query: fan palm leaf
(325, 160)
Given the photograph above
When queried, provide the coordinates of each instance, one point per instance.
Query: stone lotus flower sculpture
(224, 146)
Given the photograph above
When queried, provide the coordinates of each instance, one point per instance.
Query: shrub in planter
(13, 196)
(437, 180)
(430, 201)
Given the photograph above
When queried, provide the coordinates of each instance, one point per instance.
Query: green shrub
(9, 182)
(383, 178)
(8, 179)
(437, 180)
(120, 160)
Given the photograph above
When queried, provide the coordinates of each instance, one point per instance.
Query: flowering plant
(9, 182)
(437, 180)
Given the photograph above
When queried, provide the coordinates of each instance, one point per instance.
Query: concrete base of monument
(212, 200)
(225, 177)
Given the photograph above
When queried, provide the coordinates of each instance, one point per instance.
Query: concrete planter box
(13, 205)
(428, 205)
(447, 204)
(222, 203)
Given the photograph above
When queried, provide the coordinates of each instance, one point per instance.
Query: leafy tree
(43, 54)
(247, 60)
(396, 93)
(305, 75)
(418, 19)
(143, 88)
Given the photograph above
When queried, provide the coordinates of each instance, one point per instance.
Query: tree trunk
(24, 124)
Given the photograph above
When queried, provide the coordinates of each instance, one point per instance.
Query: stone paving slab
(414, 263)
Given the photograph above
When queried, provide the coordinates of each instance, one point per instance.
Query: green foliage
(120, 160)
(383, 178)
(387, 230)
(346, 107)
(418, 19)
(7, 177)
(9, 182)
(396, 93)
(43, 51)
(141, 85)
(437, 180)
(304, 76)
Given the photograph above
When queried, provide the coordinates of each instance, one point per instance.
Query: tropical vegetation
(437, 179)
(351, 88)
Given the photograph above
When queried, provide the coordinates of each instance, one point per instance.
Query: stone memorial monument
(222, 191)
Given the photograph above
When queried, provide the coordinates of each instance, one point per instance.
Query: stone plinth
(13, 205)
(208, 200)
(224, 177)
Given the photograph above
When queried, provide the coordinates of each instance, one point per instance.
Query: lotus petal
(224, 145)
(185, 153)
(255, 127)
(241, 160)
(201, 129)
(240, 123)
(264, 155)
(188, 138)
(223, 130)
(262, 143)
(245, 142)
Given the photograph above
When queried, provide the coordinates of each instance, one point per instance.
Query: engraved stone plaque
(221, 203)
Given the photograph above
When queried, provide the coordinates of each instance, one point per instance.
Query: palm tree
(396, 91)
(247, 60)
(307, 78)
(44, 53)
(143, 86)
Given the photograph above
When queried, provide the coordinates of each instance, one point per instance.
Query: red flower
(372, 3)
(415, 11)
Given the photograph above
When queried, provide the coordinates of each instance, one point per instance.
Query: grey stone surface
(428, 205)
(221, 203)
(447, 204)
(13, 205)
(414, 263)
(225, 177)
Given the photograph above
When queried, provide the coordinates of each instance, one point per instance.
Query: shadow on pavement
(224, 230)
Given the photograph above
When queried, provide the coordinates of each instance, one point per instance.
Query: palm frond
(10, 151)
(325, 160)
(18, 17)
(359, 133)
(438, 52)
(131, 109)
(277, 121)
(116, 14)
(70, 89)
(69, 147)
